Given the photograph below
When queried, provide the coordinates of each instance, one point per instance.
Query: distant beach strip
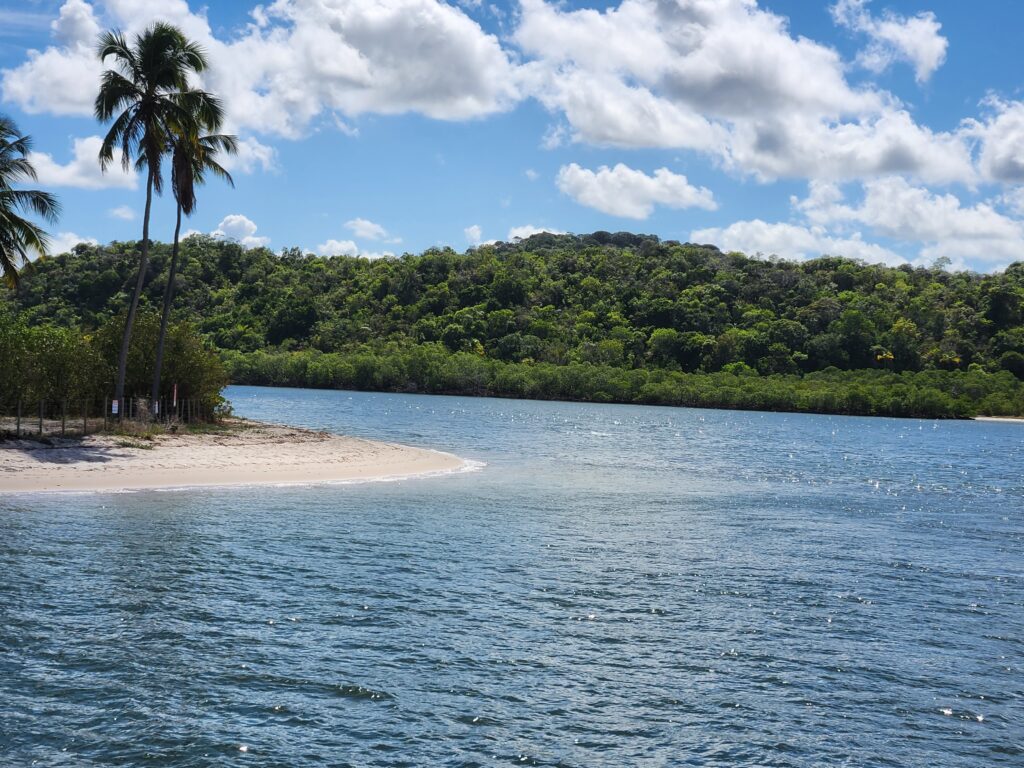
(252, 453)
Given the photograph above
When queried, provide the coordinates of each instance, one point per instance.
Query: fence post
(63, 416)
(40, 417)
(106, 410)
(18, 428)
(85, 418)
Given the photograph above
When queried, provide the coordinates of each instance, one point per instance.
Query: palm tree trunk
(126, 337)
(168, 298)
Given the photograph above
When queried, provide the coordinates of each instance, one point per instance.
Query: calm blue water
(619, 586)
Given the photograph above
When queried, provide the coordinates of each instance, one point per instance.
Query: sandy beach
(249, 453)
(1006, 419)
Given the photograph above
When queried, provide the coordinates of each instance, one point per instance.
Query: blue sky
(888, 131)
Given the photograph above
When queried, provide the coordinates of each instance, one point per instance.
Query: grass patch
(134, 444)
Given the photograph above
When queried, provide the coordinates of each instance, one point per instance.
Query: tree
(19, 236)
(148, 98)
(193, 157)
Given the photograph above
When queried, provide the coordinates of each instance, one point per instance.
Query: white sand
(250, 454)
(1005, 419)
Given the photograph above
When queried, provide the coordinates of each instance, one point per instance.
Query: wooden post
(106, 410)
(85, 417)
(19, 418)
(63, 416)
(40, 417)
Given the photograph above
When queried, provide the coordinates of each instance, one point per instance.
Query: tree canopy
(620, 304)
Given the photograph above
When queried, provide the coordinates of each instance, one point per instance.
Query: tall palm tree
(147, 95)
(19, 237)
(192, 158)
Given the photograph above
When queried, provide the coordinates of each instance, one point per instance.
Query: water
(619, 586)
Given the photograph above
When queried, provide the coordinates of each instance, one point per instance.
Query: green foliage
(20, 238)
(603, 316)
(433, 368)
(50, 362)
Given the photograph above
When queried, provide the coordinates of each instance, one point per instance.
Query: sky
(891, 132)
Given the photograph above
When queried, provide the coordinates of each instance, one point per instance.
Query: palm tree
(19, 237)
(193, 157)
(147, 96)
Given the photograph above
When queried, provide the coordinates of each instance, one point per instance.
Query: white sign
(156, 408)
(113, 407)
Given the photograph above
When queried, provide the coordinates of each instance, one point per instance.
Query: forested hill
(611, 304)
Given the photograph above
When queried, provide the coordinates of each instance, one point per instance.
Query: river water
(618, 586)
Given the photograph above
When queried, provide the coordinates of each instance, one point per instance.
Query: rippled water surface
(619, 586)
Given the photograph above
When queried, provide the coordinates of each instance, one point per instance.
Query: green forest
(603, 317)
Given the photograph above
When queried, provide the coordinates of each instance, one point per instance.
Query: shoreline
(1003, 419)
(247, 453)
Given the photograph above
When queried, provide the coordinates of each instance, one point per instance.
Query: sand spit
(246, 453)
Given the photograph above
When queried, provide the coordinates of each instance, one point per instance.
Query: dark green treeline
(607, 317)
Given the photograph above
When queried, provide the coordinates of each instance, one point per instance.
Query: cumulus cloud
(338, 248)
(915, 40)
(725, 77)
(252, 155)
(645, 73)
(83, 171)
(63, 242)
(241, 229)
(474, 234)
(123, 212)
(1013, 199)
(62, 79)
(370, 230)
(924, 224)
(939, 224)
(623, 191)
(527, 230)
(792, 241)
(728, 79)
(303, 58)
(349, 248)
(880, 145)
(1001, 135)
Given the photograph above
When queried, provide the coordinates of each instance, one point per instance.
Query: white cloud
(370, 230)
(728, 79)
(527, 230)
(605, 111)
(252, 155)
(241, 229)
(123, 212)
(75, 24)
(531, 174)
(649, 74)
(63, 79)
(938, 223)
(925, 224)
(890, 142)
(792, 242)
(1014, 200)
(723, 77)
(349, 248)
(338, 248)
(623, 191)
(1001, 135)
(474, 234)
(302, 58)
(83, 171)
(915, 40)
(63, 242)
